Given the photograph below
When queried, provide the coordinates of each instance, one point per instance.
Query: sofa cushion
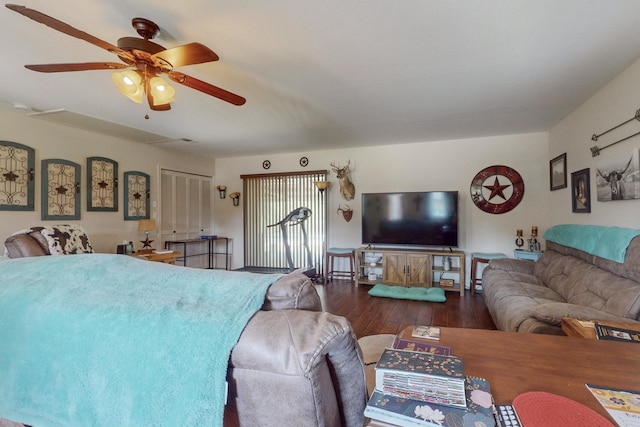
(593, 287)
(513, 296)
(514, 265)
(630, 268)
(553, 312)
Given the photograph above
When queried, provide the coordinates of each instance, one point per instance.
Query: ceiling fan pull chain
(145, 86)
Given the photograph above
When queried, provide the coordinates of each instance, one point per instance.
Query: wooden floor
(373, 315)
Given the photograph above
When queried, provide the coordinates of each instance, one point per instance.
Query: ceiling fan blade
(68, 29)
(83, 66)
(207, 88)
(188, 54)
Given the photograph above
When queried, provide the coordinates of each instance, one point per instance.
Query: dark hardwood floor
(373, 315)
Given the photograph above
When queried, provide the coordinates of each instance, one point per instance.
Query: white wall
(442, 165)
(51, 140)
(612, 105)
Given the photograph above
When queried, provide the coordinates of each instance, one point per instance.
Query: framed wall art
(102, 184)
(580, 192)
(618, 178)
(136, 196)
(60, 189)
(17, 176)
(558, 172)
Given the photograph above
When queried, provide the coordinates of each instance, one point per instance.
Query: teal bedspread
(606, 242)
(111, 340)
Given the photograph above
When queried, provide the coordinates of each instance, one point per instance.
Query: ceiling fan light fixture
(161, 91)
(129, 83)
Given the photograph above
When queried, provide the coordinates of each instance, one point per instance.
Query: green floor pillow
(402, 292)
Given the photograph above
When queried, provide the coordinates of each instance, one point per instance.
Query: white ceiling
(335, 73)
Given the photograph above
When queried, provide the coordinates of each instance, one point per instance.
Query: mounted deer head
(347, 189)
(347, 213)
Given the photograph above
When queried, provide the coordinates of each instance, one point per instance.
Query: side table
(164, 257)
(530, 255)
(483, 258)
(586, 329)
(210, 253)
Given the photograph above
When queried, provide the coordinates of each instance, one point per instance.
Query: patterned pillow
(66, 239)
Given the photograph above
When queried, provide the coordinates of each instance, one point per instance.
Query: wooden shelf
(410, 267)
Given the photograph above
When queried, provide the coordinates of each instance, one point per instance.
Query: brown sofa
(293, 364)
(527, 296)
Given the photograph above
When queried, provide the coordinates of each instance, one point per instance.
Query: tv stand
(411, 267)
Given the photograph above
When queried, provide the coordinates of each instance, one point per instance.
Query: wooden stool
(480, 257)
(333, 253)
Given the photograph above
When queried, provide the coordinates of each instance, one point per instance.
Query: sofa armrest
(512, 265)
(23, 245)
(292, 291)
(552, 313)
(296, 367)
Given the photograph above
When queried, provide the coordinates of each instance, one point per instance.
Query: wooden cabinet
(405, 269)
(411, 267)
(393, 269)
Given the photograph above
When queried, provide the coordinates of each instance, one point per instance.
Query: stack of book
(427, 388)
(423, 376)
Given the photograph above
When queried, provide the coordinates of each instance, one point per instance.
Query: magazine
(428, 332)
(424, 347)
(622, 405)
(606, 332)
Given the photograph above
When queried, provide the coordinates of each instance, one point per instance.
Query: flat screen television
(410, 218)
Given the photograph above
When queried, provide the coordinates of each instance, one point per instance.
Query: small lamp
(129, 83)
(132, 83)
(147, 226)
(322, 185)
(223, 191)
(161, 92)
(236, 198)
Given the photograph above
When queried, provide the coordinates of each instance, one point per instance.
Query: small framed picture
(580, 192)
(558, 172)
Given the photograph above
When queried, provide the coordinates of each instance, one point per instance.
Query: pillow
(413, 293)
(67, 239)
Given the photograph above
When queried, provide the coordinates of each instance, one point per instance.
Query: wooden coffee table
(516, 363)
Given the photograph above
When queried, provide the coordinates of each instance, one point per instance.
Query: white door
(186, 213)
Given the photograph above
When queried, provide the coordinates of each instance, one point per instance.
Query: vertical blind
(269, 198)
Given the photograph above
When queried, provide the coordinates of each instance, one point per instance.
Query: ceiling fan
(144, 61)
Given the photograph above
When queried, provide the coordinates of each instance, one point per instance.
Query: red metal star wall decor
(503, 195)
